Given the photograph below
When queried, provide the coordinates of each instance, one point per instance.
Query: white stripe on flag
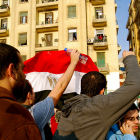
(46, 81)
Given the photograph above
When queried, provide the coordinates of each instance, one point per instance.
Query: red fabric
(55, 62)
(54, 125)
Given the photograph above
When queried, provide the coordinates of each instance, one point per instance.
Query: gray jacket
(90, 118)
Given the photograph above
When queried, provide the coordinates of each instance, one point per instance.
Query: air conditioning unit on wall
(90, 40)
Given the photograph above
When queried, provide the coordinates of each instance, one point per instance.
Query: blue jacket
(42, 113)
(115, 134)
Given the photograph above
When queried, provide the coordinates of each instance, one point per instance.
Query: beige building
(87, 25)
(133, 26)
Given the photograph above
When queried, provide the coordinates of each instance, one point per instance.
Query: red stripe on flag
(55, 62)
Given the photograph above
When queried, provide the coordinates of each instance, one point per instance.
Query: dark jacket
(90, 118)
(16, 123)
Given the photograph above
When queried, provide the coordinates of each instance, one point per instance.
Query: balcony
(104, 69)
(4, 10)
(97, 2)
(99, 21)
(45, 5)
(40, 47)
(100, 42)
(47, 27)
(4, 31)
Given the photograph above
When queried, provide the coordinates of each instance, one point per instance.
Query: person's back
(90, 115)
(16, 123)
(15, 120)
(83, 119)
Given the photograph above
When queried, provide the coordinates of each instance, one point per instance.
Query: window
(99, 32)
(71, 11)
(72, 34)
(23, 0)
(22, 39)
(49, 18)
(23, 17)
(49, 39)
(98, 12)
(5, 2)
(99, 36)
(100, 59)
(4, 23)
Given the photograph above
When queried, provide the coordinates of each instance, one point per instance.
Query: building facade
(133, 26)
(87, 25)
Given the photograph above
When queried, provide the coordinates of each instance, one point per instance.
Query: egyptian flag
(46, 67)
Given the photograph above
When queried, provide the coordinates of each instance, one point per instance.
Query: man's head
(93, 83)
(11, 66)
(8, 55)
(24, 93)
(131, 118)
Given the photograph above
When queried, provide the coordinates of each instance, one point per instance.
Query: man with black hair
(16, 123)
(90, 115)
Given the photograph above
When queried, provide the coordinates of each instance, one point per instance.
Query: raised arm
(116, 103)
(65, 79)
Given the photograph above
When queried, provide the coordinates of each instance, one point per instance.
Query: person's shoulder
(17, 122)
(28, 130)
(113, 133)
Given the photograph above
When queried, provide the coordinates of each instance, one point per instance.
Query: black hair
(21, 90)
(132, 107)
(8, 54)
(92, 83)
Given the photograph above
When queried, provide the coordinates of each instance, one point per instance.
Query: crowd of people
(88, 116)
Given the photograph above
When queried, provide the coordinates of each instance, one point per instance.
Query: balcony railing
(97, 2)
(99, 21)
(41, 47)
(47, 5)
(4, 31)
(100, 38)
(50, 26)
(4, 6)
(45, 1)
(4, 10)
(49, 21)
(100, 42)
(3, 28)
(38, 45)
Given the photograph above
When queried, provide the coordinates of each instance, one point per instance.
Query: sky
(122, 17)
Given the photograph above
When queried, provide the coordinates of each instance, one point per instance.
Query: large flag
(46, 67)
